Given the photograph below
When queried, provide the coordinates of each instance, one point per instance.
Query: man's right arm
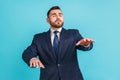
(30, 52)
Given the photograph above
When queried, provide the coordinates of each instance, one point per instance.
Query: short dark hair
(52, 8)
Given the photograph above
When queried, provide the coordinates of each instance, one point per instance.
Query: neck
(54, 28)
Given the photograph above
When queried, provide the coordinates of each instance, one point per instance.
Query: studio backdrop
(99, 20)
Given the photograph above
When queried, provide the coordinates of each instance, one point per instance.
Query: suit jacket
(66, 66)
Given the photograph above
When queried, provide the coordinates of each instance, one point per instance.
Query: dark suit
(66, 66)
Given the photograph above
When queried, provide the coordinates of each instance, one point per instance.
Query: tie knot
(55, 32)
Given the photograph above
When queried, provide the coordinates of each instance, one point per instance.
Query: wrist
(34, 58)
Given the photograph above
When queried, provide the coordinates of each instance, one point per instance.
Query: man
(57, 50)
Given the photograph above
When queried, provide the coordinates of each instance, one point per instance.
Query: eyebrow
(55, 13)
(60, 12)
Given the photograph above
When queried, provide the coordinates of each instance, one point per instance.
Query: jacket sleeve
(30, 52)
(78, 38)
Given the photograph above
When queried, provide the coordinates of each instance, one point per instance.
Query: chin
(58, 26)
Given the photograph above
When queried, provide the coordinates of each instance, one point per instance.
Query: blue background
(96, 19)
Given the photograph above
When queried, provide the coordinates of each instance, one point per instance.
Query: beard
(57, 24)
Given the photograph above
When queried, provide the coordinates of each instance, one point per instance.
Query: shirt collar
(59, 29)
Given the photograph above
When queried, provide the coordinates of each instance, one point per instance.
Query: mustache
(58, 20)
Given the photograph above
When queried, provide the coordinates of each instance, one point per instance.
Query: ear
(47, 19)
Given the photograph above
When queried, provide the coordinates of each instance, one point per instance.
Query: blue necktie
(56, 43)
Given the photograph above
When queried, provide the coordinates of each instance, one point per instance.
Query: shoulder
(72, 30)
(41, 35)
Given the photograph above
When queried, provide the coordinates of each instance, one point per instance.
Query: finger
(34, 64)
(81, 42)
(37, 65)
(90, 40)
(30, 64)
(87, 39)
(93, 40)
(41, 65)
(84, 39)
(77, 43)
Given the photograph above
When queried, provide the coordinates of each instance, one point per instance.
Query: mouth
(58, 22)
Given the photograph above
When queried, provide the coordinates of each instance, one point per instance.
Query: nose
(58, 17)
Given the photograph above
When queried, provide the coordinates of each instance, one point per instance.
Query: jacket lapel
(62, 43)
(51, 51)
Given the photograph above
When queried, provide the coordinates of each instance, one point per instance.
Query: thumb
(77, 44)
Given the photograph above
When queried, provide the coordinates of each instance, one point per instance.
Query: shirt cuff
(87, 45)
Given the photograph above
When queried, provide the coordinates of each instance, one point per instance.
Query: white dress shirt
(52, 34)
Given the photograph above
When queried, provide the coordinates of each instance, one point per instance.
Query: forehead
(55, 11)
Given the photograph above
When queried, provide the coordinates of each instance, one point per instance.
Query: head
(55, 17)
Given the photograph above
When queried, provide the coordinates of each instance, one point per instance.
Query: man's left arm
(84, 44)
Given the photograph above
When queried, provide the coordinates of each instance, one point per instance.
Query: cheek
(53, 19)
(62, 19)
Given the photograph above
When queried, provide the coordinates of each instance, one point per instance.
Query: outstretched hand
(84, 42)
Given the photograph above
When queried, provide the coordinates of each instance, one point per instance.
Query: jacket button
(58, 65)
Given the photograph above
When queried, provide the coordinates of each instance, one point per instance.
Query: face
(55, 18)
